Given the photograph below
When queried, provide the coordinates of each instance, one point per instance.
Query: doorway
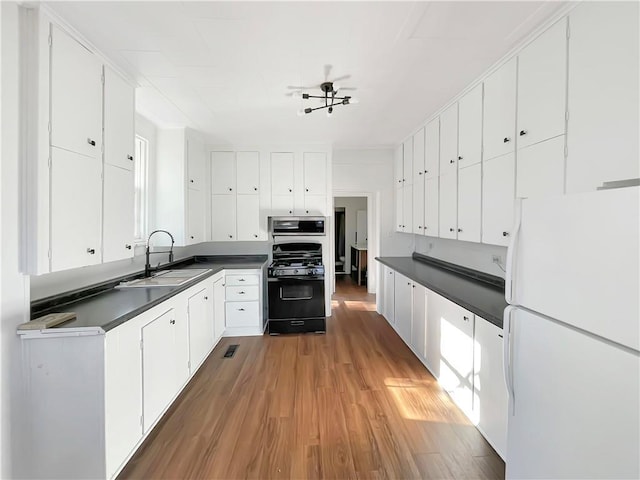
(351, 240)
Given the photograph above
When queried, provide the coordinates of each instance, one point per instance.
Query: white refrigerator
(572, 337)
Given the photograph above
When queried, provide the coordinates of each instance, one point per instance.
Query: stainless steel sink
(167, 278)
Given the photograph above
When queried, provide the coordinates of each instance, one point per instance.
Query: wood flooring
(354, 403)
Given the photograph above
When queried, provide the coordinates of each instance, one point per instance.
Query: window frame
(141, 189)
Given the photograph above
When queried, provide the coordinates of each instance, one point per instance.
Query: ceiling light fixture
(331, 99)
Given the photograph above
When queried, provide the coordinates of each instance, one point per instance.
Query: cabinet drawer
(239, 280)
(242, 314)
(242, 293)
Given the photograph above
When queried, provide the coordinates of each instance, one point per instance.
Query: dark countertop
(481, 294)
(106, 307)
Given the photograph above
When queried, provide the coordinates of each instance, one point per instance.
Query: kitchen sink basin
(167, 278)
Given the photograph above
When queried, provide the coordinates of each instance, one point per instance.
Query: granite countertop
(105, 307)
(480, 293)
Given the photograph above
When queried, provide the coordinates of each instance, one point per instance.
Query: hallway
(354, 403)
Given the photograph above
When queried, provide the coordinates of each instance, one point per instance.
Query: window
(140, 173)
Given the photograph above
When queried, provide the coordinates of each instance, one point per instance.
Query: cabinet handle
(297, 323)
(459, 158)
(290, 190)
(505, 234)
(451, 161)
(241, 309)
(128, 247)
(523, 133)
(91, 251)
(506, 140)
(500, 335)
(206, 298)
(172, 322)
(130, 157)
(241, 279)
(419, 173)
(91, 142)
(465, 318)
(451, 230)
(426, 171)
(459, 229)
(240, 293)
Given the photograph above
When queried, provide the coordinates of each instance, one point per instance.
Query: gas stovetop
(296, 259)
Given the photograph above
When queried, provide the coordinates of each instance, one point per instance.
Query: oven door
(296, 298)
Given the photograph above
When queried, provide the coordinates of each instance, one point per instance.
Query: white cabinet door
(407, 161)
(417, 223)
(281, 173)
(195, 215)
(407, 208)
(76, 96)
(159, 369)
(248, 172)
(315, 173)
(448, 205)
(223, 218)
(603, 94)
(399, 204)
(315, 205)
(419, 320)
(540, 169)
(498, 197)
(449, 140)
(432, 148)
(248, 211)
(436, 310)
(200, 314)
(398, 165)
(76, 210)
(499, 111)
(181, 333)
(195, 164)
(118, 213)
(282, 204)
(470, 128)
(123, 393)
(403, 304)
(431, 205)
(490, 392)
(542, 86)
(418, 154)
(456, 351)
(469, 203)
(218, 308)
(119, 129)
(389, 294)
(223, 173)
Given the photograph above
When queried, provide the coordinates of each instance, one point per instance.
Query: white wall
(14, 291)
(369, 172)
(351, 206)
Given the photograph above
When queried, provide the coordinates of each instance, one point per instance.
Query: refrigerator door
(574, 410)
(576, 258)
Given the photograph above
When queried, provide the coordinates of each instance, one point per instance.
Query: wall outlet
(496, 259)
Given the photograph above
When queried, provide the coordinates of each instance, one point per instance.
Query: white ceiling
(224, 68)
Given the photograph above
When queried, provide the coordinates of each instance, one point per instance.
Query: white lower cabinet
(490, 397)
(402, 315)
(388, 306)
(218, 307)
(419, 319)
(201, 335)
(243, 303)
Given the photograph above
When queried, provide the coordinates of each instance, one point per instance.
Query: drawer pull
(128, 247)
(241, 309)
(206, 298)
(91, 251)
(240, 293)
(91, 142)
(130, 157)
(297, 323)
(241, 279)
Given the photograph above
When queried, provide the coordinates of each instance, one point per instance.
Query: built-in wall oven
(296, 289)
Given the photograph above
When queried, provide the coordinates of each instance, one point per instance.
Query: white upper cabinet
(76, 96)
(399, 198)
(432, 148)
(398, 160)
(469, 203)
(248, 212)
(223, 218)
(407, 208)
(470, 128)
(195, 216)
(498, 194)
(315, 173)
(448, 206)
(604, 97)
(418, 154)
(76, 210)
(118, 211)
(223, 173)
(248, 173)
(431, 202)
(315, 205)
(407, 161)
(282, 173)
(196, 159)
(542, 86)
(418, 182)
(499, 111)
(449, 140)
(119, 130)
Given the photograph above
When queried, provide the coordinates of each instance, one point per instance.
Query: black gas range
(296, 288)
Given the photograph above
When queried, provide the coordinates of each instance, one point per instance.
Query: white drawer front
(242, 314)
(242, 293)
(238, 280)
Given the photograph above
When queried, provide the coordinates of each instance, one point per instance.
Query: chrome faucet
(147, 265)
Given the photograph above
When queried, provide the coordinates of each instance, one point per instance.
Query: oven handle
(289, 299)
(304, 278)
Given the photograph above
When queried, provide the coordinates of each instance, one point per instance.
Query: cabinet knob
(523, 133)
(91, 251)
(505, 234)
(230, 236)
(451, 229)
(255, 189)
(408, 283)
(130, 157)
(459, 158)
(290, 190)
(172, 322)
(240, 293)
(191, 181)
(206, 298)
(306, 189)
(420, 227)
(241, 309)
(128, 247)
(290, 212)
(255, 235)
(426, 171)
(419, 173)
(192, 237)
(506, 140)
(399, 181)
(241, 279)
(465, 318)
(459, 229)
(413, 286)
(307, 211)
(91, 142)
(230, 189)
